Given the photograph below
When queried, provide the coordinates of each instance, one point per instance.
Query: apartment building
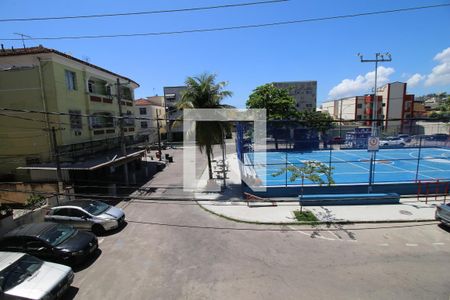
(304, 93)
(395, 108)
(172, 95)
(76, 98)
(153, 114)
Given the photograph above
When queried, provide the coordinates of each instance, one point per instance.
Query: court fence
(412, 152)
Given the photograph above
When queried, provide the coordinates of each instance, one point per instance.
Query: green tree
(319, 121)
(203, 92)
(311, 170)
(278, 103)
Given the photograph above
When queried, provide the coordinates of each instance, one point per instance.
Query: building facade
(78, 99)
(304, 93)
(151, 113)
(395, 108)
(172, 95)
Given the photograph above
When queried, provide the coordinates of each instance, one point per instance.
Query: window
(75, 119)
(144, 124)
(359, 105)
(102, 120)
(309, 105)
(142, 110)
(358, 117)
(71, 80)
(91, 86)
(62, 212)
(76, 213)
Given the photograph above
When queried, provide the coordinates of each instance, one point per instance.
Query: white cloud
(415, 80)
(361, 84)
(440, 75)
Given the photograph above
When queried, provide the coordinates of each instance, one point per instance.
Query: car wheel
(402, 144)
(98, 229)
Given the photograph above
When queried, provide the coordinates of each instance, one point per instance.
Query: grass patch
(305, 216)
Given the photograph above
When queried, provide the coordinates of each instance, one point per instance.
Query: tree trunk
(208, 155)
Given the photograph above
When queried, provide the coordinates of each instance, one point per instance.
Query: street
(176, 250)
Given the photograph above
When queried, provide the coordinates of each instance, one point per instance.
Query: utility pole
(60, 186)
(122, 135)
(378, 58)
(159, 135)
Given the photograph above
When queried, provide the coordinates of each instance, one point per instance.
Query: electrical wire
(137, 13)
(238, 27)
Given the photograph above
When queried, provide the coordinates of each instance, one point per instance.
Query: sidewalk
(168, 185)
(410, 210)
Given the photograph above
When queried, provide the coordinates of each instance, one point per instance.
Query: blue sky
(323, 51)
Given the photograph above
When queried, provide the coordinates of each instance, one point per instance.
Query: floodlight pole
(379, 57)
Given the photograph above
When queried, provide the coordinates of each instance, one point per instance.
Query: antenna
(22, 36)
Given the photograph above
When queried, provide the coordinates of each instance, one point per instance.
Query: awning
(106, 160)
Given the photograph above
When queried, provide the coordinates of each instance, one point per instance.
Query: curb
(313, 223)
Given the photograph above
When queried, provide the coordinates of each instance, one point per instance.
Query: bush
(305, 216)
(35, 201)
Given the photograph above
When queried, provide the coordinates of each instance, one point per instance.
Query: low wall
(12, 192)
(295, 191)
(37, 215)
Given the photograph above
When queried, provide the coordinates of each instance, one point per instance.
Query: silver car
(443, 213)
(88, 215)
(23, 276)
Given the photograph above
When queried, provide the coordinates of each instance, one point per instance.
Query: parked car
(443, 213)
(92, 215)
(51, 241)
(23, 276)
(440, 137)
(405, 137)
(392, 141)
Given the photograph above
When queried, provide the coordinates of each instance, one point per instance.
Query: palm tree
(203, 92)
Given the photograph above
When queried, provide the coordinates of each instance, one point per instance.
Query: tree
(278, 103)
(310, 170)
(203, 92)
(320, 122)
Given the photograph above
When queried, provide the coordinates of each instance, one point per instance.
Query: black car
(51, 241)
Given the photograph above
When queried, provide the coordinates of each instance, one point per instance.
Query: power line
(380, 12)
(151, 12)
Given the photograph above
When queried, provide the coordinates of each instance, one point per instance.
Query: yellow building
(76, 98)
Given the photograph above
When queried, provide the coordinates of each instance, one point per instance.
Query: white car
(443, 213)
(23, 276)
(88, 215)
(392, 141)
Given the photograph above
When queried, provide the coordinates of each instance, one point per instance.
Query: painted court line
(411, 245)
(438, 244)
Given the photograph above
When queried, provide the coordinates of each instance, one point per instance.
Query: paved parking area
(176, 250)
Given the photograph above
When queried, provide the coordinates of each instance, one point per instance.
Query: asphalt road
(178, 251)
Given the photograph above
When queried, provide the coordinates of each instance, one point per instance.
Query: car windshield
(58, 234)
(16, 273)
(95, 207)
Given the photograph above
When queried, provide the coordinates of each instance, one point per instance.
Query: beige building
(304, 93)
(151, 113)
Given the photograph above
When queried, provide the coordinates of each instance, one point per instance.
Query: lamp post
(379, 57)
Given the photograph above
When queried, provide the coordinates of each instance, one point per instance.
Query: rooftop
(41, 49)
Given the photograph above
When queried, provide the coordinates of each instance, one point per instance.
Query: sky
(326, 51)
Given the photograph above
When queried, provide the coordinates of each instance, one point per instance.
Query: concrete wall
(429, 128)
(9, 194)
